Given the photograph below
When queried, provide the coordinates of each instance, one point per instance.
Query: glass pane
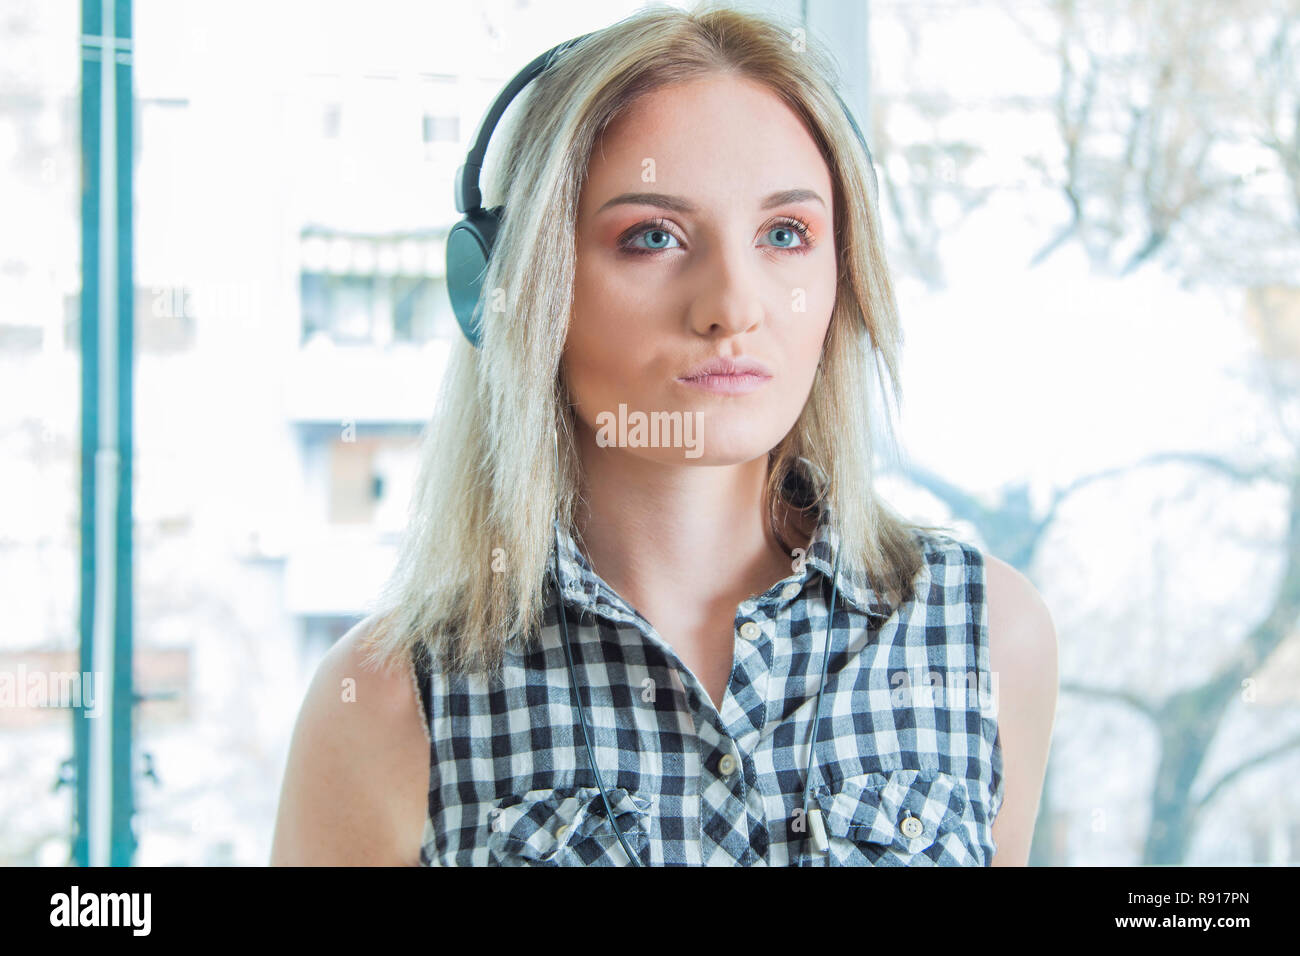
(1095, 257)
(40, 427)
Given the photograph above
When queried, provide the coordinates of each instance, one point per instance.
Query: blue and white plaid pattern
(908, 769)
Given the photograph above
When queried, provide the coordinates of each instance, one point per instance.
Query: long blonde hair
(471, 572)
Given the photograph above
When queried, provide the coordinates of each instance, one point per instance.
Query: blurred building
(292, 199)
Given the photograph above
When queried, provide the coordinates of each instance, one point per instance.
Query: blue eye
(793, 230)
(658, 235)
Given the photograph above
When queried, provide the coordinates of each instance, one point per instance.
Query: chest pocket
(898, 818)
(566, 826)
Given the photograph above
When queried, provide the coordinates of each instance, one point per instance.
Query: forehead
(716, 136)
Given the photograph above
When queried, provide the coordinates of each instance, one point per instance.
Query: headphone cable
(582, 716)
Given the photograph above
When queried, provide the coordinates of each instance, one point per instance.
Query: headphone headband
(469, 198)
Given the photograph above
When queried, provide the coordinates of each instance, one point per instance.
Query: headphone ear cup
(469, 250)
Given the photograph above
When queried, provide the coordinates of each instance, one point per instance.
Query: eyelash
(801, 228)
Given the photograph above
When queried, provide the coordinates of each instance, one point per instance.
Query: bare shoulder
(1023, 659)
(1019, 619)
(355, 785)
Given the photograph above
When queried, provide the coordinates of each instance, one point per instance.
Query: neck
(668, 532)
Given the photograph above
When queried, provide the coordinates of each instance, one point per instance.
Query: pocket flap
(540, 825)
(906, 809)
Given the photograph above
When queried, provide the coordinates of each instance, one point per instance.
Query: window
(331, 120)
(344, 308)
(374, 309)
(441, 129)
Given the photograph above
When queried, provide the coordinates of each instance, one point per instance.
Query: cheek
(606, 334)
(802, 330)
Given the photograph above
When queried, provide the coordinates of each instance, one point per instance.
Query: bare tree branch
(1097, 692)
(1266, 756)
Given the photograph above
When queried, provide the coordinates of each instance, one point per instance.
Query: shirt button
(561, 833)
(750, 631)
(727, 765)
(911, 827)
(790, 590)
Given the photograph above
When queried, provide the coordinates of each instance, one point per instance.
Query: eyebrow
(678, 204)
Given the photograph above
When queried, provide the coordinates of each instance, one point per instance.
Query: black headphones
(470, 242)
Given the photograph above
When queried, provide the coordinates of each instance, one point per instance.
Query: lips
(724, 366)
(728, 376)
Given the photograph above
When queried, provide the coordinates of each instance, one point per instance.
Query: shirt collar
(852, 578)
(583, 586)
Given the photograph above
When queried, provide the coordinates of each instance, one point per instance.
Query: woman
(690, 238)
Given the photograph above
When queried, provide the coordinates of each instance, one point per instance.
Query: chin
(727, 433)
(713, 451)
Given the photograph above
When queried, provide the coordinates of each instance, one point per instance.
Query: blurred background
(222, 232)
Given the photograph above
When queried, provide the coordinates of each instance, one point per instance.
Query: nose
(728, 302)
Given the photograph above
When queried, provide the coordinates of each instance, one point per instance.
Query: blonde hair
(471, 572)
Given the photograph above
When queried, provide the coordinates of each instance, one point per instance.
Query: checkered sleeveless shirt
(908, 767)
